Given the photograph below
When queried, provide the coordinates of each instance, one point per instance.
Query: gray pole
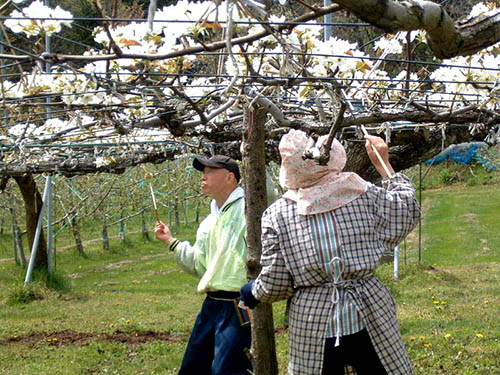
(396, 262)
(48, 114)
(50, 233)
(327, 29)
(39, 226)
(4, 73)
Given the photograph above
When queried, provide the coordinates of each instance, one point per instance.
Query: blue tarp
(464, 153)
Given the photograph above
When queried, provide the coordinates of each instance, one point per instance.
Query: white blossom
(50, 20)
(482, 8)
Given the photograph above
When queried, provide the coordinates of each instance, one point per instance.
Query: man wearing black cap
(218, 258)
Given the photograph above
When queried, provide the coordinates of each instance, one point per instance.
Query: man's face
(213, 180)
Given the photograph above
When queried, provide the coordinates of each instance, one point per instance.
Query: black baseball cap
(218, 161)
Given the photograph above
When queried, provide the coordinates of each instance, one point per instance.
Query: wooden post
(263, 351)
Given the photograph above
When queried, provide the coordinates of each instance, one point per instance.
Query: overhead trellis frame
(187, 115)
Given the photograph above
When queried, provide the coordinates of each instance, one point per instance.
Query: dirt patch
(281, 330)
(470, 217)
(116, 265)
(65, 338)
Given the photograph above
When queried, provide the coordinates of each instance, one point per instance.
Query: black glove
(247, 297)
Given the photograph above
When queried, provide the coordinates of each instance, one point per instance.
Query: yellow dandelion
(443, 302)
(479, 335)
(486, 302)
(427, 345)
(128, 321)
(422, 337)
(448, 335)
(437, 302)
(413, 338)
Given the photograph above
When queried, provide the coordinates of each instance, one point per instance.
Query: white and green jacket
(218, 257)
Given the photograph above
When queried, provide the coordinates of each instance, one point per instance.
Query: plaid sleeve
(398, 210)
(274, 282)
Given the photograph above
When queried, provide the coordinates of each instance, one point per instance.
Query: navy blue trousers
(217, 342)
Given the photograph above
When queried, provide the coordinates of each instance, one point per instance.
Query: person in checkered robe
(321, 243)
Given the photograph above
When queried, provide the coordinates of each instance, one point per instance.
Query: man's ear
(232, 177)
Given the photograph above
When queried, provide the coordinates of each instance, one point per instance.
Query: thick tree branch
(446, 38)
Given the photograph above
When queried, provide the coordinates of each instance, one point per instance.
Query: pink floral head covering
(316, 188)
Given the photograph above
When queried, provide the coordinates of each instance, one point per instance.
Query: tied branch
(322, 156)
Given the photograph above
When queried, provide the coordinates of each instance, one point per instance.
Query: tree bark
(19, 256)
(145, 234)
(104, 234)
(446, 38)
(263, 351)
(77, 236)
(197, 212)
(408, 148)
(176, 212)
(33, 205)
(185, 210)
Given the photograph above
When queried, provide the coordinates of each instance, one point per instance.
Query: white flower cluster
(37, 19)
(472, 78)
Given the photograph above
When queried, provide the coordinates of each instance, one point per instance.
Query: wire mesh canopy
(147, 90)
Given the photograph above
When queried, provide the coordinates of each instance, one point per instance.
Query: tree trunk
(185, 209)
(407, 149)
(17, 240)
(197, 212)
(145, 234)
(263, 352)
(17, 236)
(176, 212)
(33, 205)
(104, 234)
(14, 242)
(122, 227)
(76, 236)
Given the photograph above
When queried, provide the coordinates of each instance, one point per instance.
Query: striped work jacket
(365, 228)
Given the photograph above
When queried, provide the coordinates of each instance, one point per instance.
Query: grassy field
(130, 311)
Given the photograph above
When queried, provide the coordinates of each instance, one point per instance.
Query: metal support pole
(396, 262)
(34, 249)
(3, 71)
(420, 221)
(327, 29)
(50, 232)
(48, 115)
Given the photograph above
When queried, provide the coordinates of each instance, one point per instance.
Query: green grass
(106, 320)
(461, 225)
